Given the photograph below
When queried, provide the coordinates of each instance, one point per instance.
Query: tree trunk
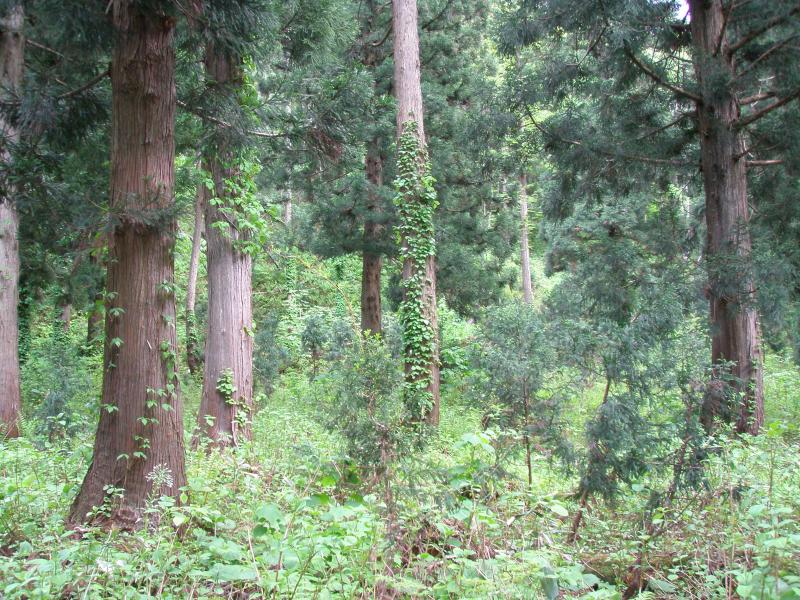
(408, 90)
(525, 256)
(225, 414)
(12, 44)
(287, 208)
(734, 318)
(139, 441)
(372, 260)
(193, 359)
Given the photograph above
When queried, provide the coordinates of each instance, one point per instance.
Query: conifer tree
(12, 44)
(686, 95)
(416, 202)
(139, 439)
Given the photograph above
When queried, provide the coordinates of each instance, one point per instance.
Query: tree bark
(12, 44)
(525, 256)
(372, 259)
(225, 418)
(141, 424)
(408, 90)
(193, 359)
(734, 318)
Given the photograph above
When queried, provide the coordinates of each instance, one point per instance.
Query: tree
(193, 358)
(12, 44)
(525, 255)
(141, 423)
(684, 95)
(416, 202)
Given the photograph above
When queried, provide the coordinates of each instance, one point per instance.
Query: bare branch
(765, 54)
(657, 78)
(756, 98)
(750, 36)
(86, 86)
(764, 163)
(438, 16)
(221, 123)
(623, 155)
(752, 118)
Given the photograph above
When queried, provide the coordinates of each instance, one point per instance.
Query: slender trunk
(287, 208)
(734, 318)
(526, 408)
(12, 44)
(225, 410)
(94, 322)
(525, 256)
(372, 261)
(193, 358)
(408, 91)
(139, 441)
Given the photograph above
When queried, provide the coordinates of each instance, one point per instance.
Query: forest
(400, 299)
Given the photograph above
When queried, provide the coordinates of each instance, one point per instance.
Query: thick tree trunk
(372, 260)
(525, 256)
(408, 90)
(734, 318)
(12, 44)
(225, 415)
(139, 439)
(193, 359)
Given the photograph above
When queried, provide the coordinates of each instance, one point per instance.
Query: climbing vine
(416, 202)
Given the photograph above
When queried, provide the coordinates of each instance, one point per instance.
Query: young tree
(141, 422)
(705, 93)
(416, 202)
(12, 44)
(525, 255)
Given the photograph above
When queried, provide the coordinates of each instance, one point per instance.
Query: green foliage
(518, 380)
(366, 404)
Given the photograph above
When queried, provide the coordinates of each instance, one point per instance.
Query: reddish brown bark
(229, 340)
(141, 423)
(12, 44)
(408, 90)
(734, 318)
(372, 260)
(192, 351)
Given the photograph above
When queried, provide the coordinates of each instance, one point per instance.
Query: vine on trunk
(416, 202)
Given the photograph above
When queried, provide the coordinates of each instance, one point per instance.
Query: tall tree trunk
(525, 256)
(12, 44)
(225, 413)
(734, 318)
(139, 441)
(372, 260)
(408, 91)
(192, 350)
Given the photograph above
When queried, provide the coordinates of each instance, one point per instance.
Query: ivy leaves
(416, 203)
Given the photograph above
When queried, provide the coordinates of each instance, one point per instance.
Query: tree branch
(764, 163)
(657, 78)
(756, 97)
(752, 118)
(765, 54)
(438, 16)
(622, 155)
(753, 34)
(88, 85)
(221, 123)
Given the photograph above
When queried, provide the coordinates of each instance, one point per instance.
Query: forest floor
(286, 517)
